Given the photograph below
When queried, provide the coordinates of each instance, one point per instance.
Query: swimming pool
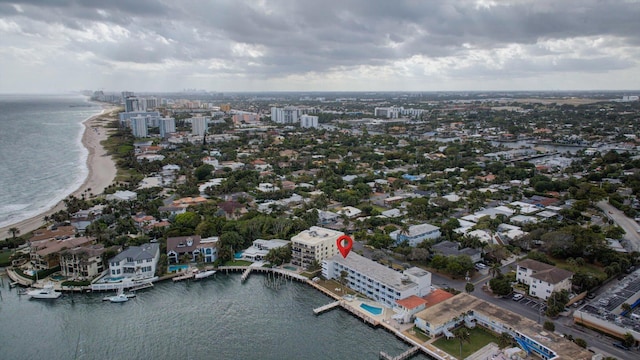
(371, 309)
(237, 255)
(112, 279)
(176, 268)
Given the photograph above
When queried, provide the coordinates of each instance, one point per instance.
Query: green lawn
(587, 268)
(416, 332)
(237, 263)
(4, 256)
(479, 338)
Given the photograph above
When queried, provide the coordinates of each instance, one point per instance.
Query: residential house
(449, 248)
(183, 248)
(137, 262)
(82, 262)
(208, 249)
(55, 232)
(261, 248)
(124, 195)
(543, 279)
(416, 234)
(44, 254)
(232, 209)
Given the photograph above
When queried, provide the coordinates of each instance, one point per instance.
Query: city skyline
(158, 46)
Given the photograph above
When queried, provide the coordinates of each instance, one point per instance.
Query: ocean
(42, 159)
(215, 318)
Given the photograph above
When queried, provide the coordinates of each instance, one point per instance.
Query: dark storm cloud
(276, 38)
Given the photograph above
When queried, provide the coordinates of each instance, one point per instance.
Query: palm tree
(343, 278)
(462, 334)
(505, 339)
(14, 231)
(495, 270)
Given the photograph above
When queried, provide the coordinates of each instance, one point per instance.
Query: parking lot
(534, 304)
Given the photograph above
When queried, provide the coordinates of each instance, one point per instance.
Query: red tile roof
(411, 302)
(437, 296)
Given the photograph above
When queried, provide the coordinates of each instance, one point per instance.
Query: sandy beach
(102, 170)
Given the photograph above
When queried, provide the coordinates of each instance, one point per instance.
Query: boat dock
(185, 276)
(248, 269)
(141, 286)
(405, 355)
(327, 307)
(245, 274)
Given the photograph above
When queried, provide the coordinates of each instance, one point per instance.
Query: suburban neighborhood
(510, 217)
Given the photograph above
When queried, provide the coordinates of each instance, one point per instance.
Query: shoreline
(101, 171)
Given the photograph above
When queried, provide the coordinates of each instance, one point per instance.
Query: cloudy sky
(288, 45)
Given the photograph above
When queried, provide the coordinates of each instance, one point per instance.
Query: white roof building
(377, 281)
(524, 207)
(315, 244)
(261, 248)
(124, 195)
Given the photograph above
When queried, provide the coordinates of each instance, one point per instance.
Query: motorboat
(204, 274)
(47, 292)
(121, 297)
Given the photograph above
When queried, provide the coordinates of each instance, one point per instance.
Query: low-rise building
(468, 310)
(44, 254)
(315, 244)
(182, 247)
(377, 281)
(137, 262)
(82, 262)
(416, 234)
(261, 248)
(543, 279)
(449, 248)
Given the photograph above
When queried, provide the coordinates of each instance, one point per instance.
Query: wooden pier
(185, 276)
(327, 307)
(405, 355)
(245, 274)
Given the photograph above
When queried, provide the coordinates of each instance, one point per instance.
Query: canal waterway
(216, 318)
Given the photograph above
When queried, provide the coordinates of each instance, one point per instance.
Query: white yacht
(121, 297)
(204, 274)
(47, 292)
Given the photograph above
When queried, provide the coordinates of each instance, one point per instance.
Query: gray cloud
(277, 39)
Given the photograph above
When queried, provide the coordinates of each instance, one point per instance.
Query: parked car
(517, 297)
(621, 346)
(591, 296)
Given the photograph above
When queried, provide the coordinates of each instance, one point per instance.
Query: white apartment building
(139, 126)
(377, 281)
(315, 244)
(308, 121)
(416, 234)
(394, 112)
(136, 262)
(198, 125)
(543, 279)
(286, 115)
(167, 126)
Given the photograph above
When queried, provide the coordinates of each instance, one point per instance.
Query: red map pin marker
(345, 244)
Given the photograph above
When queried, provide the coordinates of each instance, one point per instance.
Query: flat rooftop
(316, 235)
(443, 312)
(375, 271)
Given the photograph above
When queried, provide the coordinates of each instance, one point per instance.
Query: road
(627, 224)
